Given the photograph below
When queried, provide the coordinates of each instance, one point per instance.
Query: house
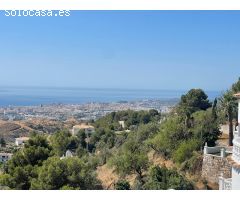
(68, 154)
(20, 141)
(87, 128)
(233, 183)
(122, 124)
(4, 157)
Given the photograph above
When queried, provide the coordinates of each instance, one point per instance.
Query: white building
(234, 182)
(68, 154)
(4, 157)
(20, 141)
(87, 128)
(122, 124)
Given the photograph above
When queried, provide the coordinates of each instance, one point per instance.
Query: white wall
(235, 179)
(239, 111)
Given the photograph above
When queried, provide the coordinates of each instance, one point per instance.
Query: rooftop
(237, 95)
(6, 154)
(23, 138)
(83, 126)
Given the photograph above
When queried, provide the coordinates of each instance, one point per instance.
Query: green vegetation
(188, 128)
(131, 119)
(195, 100)
(165, 179)
(22, 168)
(37, 167)
(2, 142)
(122, 185)
(64, 174)
(178, 137)
(131, 159)
(227, 108)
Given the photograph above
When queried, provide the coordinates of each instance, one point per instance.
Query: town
(88, 111)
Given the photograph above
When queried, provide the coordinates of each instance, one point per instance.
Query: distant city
(85, 111)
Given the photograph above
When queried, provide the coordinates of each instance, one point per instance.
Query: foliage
(194, 100)
(194, 164)
(171, 133)
(228, 105)
(2, 142)
(122, 185)
(82, 139)
(131, 118)
(236, 86)
(185, 150)
(131, 159)
(164, 179)
(67, 173)
(177, 139)
(20, 178)
(206, 127)
(227, 108)
(20, 170)
(60, 142)
(145, 131)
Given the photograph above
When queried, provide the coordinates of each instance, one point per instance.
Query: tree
(145, 131)
(82, 139)
(206, 127)
(236, 86)
(214, 109)
(185, 150)
(164, 179)
(153, 112)
(20, 179)
(2, 142)
(191, 102)
(228, 106)
(22, 168)
(172, 132)
(122, 185)
(131, 159)
(67, 173)
(60, 141)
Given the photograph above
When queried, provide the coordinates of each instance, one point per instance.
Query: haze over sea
(29, 96)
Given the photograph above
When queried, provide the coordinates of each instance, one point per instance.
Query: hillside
(11, 130)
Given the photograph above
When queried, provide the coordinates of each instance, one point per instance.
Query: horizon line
(106, 88)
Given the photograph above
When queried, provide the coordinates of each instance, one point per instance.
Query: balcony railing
(225, 184)
(236, 150)
(236, 134)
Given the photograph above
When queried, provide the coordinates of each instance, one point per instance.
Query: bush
(165, 179)
(194, 164)
(185, 150)
(122, 185)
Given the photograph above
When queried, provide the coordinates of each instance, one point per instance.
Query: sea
(31, 96)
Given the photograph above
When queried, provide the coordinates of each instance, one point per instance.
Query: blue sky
(122, 49)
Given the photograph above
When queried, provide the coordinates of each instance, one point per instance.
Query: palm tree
(228, 106)
(236, 89)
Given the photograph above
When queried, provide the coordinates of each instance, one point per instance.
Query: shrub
(122, 185)
(185, 150)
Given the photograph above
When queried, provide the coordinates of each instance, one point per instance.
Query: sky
(172, 50)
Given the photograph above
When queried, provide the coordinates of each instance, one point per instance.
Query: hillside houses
(4, 157)
(87, 128)
(20, 141)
